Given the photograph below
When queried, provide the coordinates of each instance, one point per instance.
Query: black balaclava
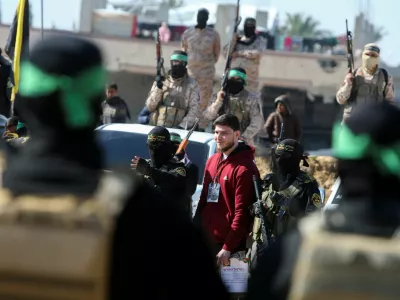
(249, 27)
(370, 197)
(160, 146)
(202, 18)
(61, 89)
(287, 156)
(235, 86)
(178, 70)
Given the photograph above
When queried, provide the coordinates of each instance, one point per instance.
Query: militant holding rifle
(225, 107)
(349, 46)
(160, 71)
(185, 141)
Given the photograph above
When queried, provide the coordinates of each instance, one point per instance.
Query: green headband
(20, 125)
(76, 92)
(347, 145)
(236, 73)
(179, 57)
(176, 139)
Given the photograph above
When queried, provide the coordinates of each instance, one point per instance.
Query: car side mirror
(322, 193)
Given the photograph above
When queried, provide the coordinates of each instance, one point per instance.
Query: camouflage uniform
(203, 48)
(177, 104)
(370, 88)
(247, 107)
(249, 58)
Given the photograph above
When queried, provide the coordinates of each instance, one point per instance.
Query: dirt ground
(323, 168)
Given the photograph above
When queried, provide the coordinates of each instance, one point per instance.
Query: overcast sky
(331, 15)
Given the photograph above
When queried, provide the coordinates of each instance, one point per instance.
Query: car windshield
(120, 147)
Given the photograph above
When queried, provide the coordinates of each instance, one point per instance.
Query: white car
(121, 142)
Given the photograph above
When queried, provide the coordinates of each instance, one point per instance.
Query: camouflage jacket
(344, 92)
(203, 47)
(289, 204)
(248, 57)
(185, 88)
(251, 108)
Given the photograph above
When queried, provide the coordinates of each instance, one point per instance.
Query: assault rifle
(185, 141)
(225, 107)
(160, 71)
(349, 42)
(260, 212)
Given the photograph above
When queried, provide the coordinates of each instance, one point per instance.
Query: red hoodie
(229, 221)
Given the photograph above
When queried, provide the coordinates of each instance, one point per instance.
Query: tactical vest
(367, 91)
(172, 109)
(278, 213)
(237, 107)
(59, 247)
(334, 266)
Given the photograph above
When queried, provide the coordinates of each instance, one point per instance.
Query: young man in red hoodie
(228, 190)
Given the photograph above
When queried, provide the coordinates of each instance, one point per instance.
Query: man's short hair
(113, 86)
(228, 120)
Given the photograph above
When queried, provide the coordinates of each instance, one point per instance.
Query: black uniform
(192, 169)
(167, 174)
(369, 205)
(63, 158)
(288, 195)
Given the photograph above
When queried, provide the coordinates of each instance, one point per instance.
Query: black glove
(143, 167)
(159, 82)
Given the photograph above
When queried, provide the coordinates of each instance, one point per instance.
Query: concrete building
(309, 78)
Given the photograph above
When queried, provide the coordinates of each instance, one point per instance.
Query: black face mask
(202, 21)
(249, 31)
(288, 165)
(234, 87)
(178, 71)
(160, 155)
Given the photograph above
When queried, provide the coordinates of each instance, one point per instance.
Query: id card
(213, 192)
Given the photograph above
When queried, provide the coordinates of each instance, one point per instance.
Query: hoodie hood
(285, 101)
(242, 151)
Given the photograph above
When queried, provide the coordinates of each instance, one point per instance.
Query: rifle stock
(231, 46)
(185, 141)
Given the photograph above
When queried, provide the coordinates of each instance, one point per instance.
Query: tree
(173, 3)
(299, 25)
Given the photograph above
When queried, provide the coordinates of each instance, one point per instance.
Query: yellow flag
(19, 38)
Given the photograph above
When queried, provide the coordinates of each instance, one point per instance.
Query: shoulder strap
(386, 76)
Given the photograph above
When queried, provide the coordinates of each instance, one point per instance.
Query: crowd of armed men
(151, 245)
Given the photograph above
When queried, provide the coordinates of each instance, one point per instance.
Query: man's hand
(141, 165)
(349, 78)
(220, 96)
(223, 258)
(159, 82)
